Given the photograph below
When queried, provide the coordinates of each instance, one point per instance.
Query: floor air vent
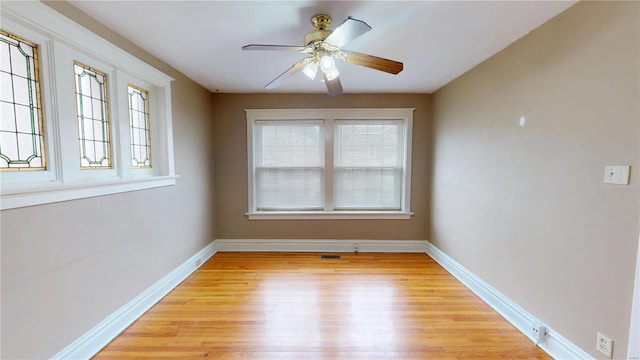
(330, 257)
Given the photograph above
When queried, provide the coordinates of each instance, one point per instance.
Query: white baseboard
(321, 245)
(555, 344)
(100, 335)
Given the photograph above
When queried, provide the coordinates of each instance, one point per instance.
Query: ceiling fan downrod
(321, 22)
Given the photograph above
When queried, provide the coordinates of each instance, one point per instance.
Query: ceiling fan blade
(373, 62)
(292, 70)
(334, 87)
(273, 47)
(349, 29)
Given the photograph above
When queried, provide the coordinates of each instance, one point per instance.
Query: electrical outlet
(618, 174)
(355, 249)
(539, 332)
(198, 263)
(605, 345)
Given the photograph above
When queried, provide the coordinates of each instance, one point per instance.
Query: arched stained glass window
(139, 127)
(93, 117)
(21, 129)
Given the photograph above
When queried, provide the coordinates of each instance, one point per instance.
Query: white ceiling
(436, 40)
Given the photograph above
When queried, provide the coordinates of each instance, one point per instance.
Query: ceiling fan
(324, 46)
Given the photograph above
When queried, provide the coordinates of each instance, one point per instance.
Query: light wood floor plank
(298, 306)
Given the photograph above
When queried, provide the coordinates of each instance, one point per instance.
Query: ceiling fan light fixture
(328, 66)
(322, 47)
(311, 70)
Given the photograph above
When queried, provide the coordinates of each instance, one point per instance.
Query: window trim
(405, 114)
(58, 39)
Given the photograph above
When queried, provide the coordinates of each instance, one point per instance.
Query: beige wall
(230, 142)
(67, 266)
(525, 208)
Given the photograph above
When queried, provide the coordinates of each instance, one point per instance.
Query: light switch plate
(616, 174)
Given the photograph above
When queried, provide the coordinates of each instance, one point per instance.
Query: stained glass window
(93, 117)
(21, 131)
(139, 127)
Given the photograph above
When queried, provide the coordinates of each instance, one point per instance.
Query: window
(329, 163)
(93, 117)
(70, 112)
(21, 135)
(139, 126)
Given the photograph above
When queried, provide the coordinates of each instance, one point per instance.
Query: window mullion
(67, 158)
(121, 107)
(328, 163)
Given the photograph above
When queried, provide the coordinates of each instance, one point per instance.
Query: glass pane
(378, 144)
(9, 143)
(289, 145)
(139, 127)
(19, 62)
(289, 189)
(96, 87)
(36, 162)
(21, 138)
(96, 109)
(86, 129)
(21, 93)
(98, 130)
(26, 146)
(86, 107)
(6, 87)
(358, 188)
(5, 62)
(7, 117)
(93, 120)
(99, 151)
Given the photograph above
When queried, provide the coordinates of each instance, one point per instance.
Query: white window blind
(289, 165)
(368, 164)
(329, 163)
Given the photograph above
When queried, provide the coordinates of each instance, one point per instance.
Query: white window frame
(60, 42)
(329, 116)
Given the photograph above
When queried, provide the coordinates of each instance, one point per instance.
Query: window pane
(368, 164)
(372, 189)
(287, 144)
(378, 143)
(289, 189)
(21, 135)
(139, 127)
(289, 159)
(93, 119)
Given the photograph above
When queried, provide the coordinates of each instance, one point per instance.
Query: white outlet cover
(616, 174)
(605, 345)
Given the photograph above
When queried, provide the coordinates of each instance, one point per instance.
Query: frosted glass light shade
(328, 66)
(311, 70)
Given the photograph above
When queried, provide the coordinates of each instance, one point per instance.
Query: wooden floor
(298, 306)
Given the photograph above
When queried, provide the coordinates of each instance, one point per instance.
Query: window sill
(329, 215)
(56, 192)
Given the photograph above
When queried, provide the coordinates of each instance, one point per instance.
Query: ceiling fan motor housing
(321, 23)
